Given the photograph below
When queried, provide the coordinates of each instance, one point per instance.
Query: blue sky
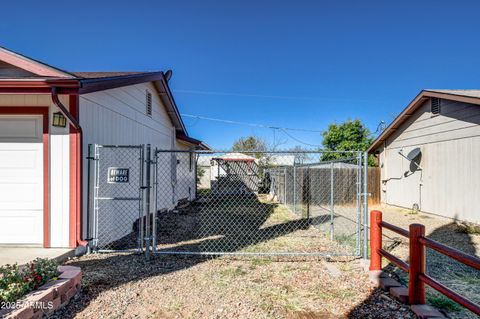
(300, 64)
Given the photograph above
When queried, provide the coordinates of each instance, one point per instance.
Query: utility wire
(250, 124)
(297, 140)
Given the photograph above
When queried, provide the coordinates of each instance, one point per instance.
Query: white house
(42, 163)
(429, 155)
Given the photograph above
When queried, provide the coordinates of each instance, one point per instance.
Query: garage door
(21, 180)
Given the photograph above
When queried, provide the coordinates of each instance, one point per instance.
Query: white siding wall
(59, 165)
(118, 116)
(186, 180)
(450, 145)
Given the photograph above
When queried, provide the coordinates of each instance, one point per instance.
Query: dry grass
(451, 273)
(126, 286)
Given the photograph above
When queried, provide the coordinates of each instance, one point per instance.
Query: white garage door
(21, 180)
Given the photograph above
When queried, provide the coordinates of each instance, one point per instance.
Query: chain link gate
(116, 197)
(258, 203)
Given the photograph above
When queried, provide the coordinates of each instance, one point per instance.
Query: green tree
(350, 135)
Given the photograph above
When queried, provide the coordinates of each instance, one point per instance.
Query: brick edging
(400, 293)
(47, 298)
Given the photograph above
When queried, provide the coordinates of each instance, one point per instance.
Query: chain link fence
(226, 203)
(116, 181)
(257, 203)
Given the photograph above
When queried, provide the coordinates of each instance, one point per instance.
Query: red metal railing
(417, 277)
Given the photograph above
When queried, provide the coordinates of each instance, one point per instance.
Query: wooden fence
(416, 268)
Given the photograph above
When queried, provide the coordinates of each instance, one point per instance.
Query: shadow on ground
(245, 226)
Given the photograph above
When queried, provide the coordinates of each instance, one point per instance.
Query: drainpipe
(74, 122)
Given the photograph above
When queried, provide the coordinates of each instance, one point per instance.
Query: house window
(149, 103)
(435, 106)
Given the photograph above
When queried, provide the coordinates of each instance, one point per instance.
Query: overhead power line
(250, 124)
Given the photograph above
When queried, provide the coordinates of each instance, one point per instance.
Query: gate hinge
(90, 158)
(367, 194)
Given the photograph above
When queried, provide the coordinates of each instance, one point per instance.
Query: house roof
(466, 96)
(193, 141)
(98, 75)
(41, 78)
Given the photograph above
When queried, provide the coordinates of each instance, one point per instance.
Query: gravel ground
(127, 286)
(461, 278)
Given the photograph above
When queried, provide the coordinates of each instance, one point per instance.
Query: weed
(175, 306)
(233, 272)
(444, 303)
(346, 240)
(261, 262)
(469, 228)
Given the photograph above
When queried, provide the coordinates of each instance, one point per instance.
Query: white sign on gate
(118, 175)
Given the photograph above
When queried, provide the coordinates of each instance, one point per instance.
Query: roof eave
(172, 109)
(412, 107)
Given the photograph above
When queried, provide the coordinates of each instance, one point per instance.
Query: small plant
(233, 272)
(17, 281)
(444, 303)
(469, 228)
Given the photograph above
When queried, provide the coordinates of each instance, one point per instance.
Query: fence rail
(416, 268)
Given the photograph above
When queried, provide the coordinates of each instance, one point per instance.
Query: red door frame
(42, 110)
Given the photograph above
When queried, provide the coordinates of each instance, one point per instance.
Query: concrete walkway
(22, 255)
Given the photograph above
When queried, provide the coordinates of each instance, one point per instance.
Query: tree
(251, 144)
(301, 155)
(350, 135)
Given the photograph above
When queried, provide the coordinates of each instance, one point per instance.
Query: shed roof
(466, 96)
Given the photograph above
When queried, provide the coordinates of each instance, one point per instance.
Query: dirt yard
(127, 286)
(461, 278)
(248, 224)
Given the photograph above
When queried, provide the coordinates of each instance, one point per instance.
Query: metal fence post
(148, 189)
(294, 188)
(89, 199)
(308, 192)
(416, 287)
(365, 205)
(358, 184)
(331, 202)
(285, 186)
(96, 173)
(154, 188)
(141, 196)
(375, 240)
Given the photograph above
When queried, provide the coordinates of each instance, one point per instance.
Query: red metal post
(416, 287)
(375, 240)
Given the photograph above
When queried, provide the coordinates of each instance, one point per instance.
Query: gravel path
(126, 286)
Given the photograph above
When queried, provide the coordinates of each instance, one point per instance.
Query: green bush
(17, 281)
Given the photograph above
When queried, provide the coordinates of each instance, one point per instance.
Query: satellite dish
(413, 154)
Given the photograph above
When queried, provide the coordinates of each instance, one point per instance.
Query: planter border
(47, 298)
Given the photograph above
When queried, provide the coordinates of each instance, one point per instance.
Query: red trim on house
(75, 175)
(27, 110)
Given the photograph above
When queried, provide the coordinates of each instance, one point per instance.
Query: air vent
(149, 104)
(435, 107)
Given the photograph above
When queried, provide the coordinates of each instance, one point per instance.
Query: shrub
(17, 281)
